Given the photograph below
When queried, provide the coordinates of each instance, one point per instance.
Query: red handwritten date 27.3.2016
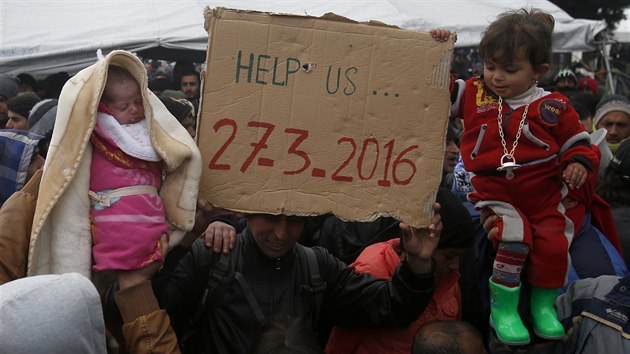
(342, 173)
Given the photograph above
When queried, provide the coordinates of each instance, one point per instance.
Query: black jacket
(279, 286)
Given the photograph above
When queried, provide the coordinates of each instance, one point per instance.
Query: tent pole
(609, 78)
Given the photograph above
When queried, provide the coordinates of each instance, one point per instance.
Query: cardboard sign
(306, 116)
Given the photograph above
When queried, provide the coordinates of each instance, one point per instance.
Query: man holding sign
(268, 273)
(307, 116)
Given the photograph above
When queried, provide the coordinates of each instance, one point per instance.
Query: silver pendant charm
(508, 164)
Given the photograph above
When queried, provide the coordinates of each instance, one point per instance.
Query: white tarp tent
(622, 32)
(46, 36)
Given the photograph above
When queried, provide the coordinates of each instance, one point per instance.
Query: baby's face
(125, 101)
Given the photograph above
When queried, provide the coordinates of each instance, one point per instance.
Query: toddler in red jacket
(526, 148)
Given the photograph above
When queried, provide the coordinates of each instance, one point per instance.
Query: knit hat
(42, 121)
(611, 103)
(173, 93)
(23, 103)
(8, 86)
(458, 228)
(180, 108)
(565, 74)
(42, 118)
(621, 161)
(587, 83)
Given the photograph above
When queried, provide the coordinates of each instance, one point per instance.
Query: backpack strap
(222, 266)
(315, 285)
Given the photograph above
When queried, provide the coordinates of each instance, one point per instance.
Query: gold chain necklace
(508, 162)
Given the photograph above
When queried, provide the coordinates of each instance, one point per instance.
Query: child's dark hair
(118, 74)
(443, 337)
(512, 30)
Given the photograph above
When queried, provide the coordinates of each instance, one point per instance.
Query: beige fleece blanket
(61, 241)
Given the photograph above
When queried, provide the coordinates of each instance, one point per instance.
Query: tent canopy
(47, 36)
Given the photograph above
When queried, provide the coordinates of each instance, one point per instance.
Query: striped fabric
(17, 148)
(508, 263)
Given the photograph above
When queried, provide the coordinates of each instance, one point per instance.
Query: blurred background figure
(41, 121)
(158, 84)
(614, 188)
(8, 89)
(183, 110)
(27, 83)
(53, 84)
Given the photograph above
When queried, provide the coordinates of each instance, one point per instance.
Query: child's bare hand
(220, 236)
(575, 175)
(487, 220)
(441, 35)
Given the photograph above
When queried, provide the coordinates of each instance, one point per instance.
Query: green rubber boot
(504, 317)
(544, 316)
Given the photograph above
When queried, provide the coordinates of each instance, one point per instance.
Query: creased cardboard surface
(307, 116)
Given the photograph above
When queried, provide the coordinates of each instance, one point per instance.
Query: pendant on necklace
(508, 164)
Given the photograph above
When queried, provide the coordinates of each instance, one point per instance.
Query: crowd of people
(527, 249)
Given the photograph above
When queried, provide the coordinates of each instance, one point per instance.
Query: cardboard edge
(219, 12)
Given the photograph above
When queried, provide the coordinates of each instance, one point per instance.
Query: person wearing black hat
(183, 110)
(381, 259)
(19, 109)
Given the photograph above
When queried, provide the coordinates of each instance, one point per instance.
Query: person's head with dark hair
(20, 107)
(53, 84)
(447, 337)
(586, 117)
(518, 34)
(181, 66)
(190, 84)
(586, 99)
(122, 96)
(8, 89)
(27, 83)
(287, 335)
(159, 84)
